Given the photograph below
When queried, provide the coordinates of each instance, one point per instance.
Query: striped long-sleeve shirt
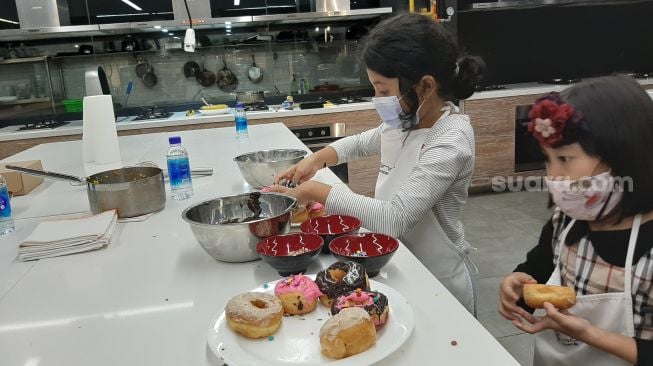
(438, 182)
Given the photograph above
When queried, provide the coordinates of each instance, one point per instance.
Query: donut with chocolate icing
(340, 278)
(374, 302)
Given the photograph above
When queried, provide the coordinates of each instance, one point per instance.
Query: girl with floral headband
(596, 137)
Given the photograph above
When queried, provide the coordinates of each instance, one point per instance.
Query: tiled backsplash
(335, 63)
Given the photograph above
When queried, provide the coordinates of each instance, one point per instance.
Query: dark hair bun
(470, 73)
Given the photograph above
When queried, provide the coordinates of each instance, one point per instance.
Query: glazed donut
(254, 314)
(373, 302)
(298, 294)
(347, 333)
(339, 278)
(562, 297)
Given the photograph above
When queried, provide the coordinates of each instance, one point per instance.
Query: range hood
(55, 26)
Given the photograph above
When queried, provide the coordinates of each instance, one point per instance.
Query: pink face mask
(588, 198)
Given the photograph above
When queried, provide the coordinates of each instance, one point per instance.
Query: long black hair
(408, 47)
(618, 130)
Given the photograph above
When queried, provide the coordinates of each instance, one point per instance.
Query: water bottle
(241, 123)
(6, 221)
(181, 184)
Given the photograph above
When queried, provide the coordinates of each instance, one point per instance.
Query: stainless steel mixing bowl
(260, 167)
(236, 242)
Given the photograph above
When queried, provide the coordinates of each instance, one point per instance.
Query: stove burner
(40, 125)
(489, 87)
(256, 107)
(563, 81)
(150, 113)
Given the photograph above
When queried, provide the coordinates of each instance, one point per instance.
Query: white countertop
(514, 90)
(178, 119)
(148, 299)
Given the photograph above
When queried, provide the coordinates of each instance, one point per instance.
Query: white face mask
(390, 109)
(586, 199)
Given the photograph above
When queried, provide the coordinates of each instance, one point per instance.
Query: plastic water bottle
(6, 221)
(241, 123)
(181, 184)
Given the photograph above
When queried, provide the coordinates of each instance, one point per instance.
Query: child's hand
(510, 292)
(562, 321)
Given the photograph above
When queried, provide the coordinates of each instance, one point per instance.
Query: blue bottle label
(179, 172)
(241, 124)
(5, 207)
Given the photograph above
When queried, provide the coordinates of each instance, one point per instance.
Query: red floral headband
(553, 121)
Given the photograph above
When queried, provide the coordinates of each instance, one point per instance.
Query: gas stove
(560, 81)
(256, 107)
(347, 99)
(41, 125)
(154, 112)
(479, 88)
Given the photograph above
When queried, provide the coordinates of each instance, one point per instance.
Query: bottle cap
(173, 140)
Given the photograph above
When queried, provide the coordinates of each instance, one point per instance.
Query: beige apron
(610, 311)
(426, 240)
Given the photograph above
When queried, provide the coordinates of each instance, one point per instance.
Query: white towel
(63, 237)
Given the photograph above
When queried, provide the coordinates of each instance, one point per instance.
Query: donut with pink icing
(298, 294)
(373, 302)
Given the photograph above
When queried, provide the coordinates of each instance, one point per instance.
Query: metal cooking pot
(250, 97)
(133, 191)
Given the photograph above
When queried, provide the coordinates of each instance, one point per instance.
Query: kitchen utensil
(250, 97)
(290, 253)
(129, 45)
(133, 191)
(142, 67)
(372, 250)
(206, 78)
(191, 69)
(130, 85)
(227, 80)
(254, 73)
(236, 242)
(85, 49)
(149, 78)
(330, 227)
(260, 167)
(205, 102)
(149, 44)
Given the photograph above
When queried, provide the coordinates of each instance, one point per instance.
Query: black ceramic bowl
(371, 250)
(291, 253)
(330, 227)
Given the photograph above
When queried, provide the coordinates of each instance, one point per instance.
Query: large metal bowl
(259, 168)
(237, 242)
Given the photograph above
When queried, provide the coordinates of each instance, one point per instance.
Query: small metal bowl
(259, 168)
(236, 242)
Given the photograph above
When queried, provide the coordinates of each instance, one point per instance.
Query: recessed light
(157, 27)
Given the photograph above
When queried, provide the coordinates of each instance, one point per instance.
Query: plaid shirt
(582, 267)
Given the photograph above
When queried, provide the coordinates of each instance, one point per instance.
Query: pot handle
(46, 174)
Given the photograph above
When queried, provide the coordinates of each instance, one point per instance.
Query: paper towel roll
(100, 125)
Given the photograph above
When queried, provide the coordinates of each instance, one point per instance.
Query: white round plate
(213, 112)
(297, 342)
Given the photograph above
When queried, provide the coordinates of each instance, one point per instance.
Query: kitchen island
(149, 298)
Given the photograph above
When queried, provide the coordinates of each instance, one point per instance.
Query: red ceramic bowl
(330, 227)
(290, 253)
(372, 250)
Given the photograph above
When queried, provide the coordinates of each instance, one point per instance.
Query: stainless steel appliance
(318, 137)
(528, 154)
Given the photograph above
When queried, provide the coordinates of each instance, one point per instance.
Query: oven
(528, 154)
(319, 136)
